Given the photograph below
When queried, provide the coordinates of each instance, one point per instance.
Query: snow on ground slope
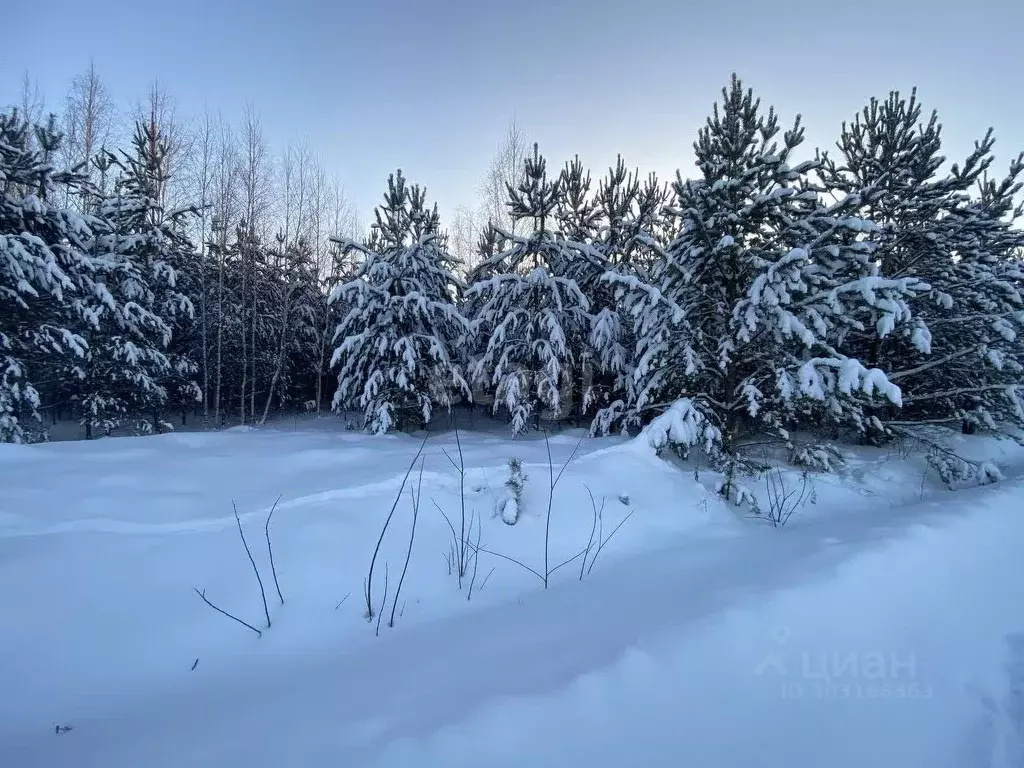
(884, 625)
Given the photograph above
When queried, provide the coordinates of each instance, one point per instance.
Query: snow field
(667, 651)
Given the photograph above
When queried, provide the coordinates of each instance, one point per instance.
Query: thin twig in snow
(484, 582)
(567, 461)
(384, 600)
(511, 560)
(551, 497)
(225, 613)
(387, 522)
(566, 562)
(605, 541)
(412, 538)
(263, 592)
(593, 527)
(270, 550)
(462, 545)
(476, 558)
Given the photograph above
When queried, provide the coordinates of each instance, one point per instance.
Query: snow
(883, 626)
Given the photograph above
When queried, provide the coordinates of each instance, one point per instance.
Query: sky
(431, 86)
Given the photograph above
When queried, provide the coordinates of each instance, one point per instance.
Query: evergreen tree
(959, 362)
(397, 345)
(531, 316)
(629, 240)
(45, 270)
(133, 369)
(990, 281)
(474, 342)
(578, 221)
(737, 328)
(576, 214)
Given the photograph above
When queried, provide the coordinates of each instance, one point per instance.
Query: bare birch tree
(202, 167)
(256, 188)
(506, 169)
(337, 267)
(89, 116)
(30, 101)
(463, 235)
(224, 216)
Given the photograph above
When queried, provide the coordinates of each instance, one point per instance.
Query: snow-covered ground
(883, 626)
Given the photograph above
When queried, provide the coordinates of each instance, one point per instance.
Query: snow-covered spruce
(531, 317)
(628, 240)
(44, 269)
(960, 362)
(740, 322)
(397, 345)
(131, 367)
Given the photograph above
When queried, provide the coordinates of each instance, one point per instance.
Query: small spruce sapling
(511, 503)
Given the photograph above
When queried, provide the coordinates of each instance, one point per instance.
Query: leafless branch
(462, 543)
(783, 500)
(511, 560)
(202, 595)
(484, 582)
(270, 550)
(566, 562)
(605, 541)
(263, 592)
(476, 558)
(412, 538)
(380, 540)
(593, 527)
(384, 600)
(567, 461)
(551, 497)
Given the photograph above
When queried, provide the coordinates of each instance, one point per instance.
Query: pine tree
(629, 241)
(959, 363)
(988, 309)
(133, 367)
(44, 271)
(578, 221)
(397, 350)
(475, 340)
(736, 328)
(531, 316)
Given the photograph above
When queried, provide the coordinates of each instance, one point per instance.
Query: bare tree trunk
(343, 223)
(245, 360)
(203, 184)
(226, 171)
(319, 211)
(252, 339)
(256, 191)
(220, 333)
(281, 348)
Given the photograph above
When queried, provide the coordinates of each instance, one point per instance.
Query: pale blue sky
(430, 86)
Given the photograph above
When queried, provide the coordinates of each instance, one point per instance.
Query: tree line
(774, 292)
